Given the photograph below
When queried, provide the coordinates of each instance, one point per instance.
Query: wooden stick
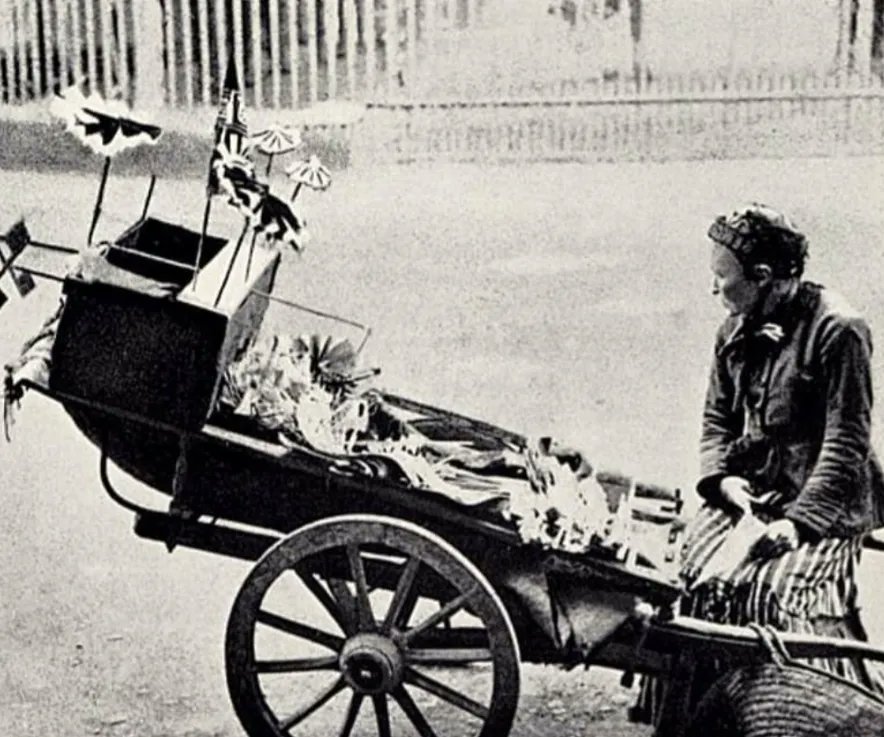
(41, 274)
(365, 336)
(97, 211)
(48, 246)
(269, 164)
(312, 311)
(151, 257)
(7, 264)
(199, 245)
(112, 246)
(251, 253)
(239, 241)
(153, 181)
(687, 632)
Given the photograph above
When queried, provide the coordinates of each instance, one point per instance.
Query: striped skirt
(810, 590)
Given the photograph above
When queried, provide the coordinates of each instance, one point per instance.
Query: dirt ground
(552, 299)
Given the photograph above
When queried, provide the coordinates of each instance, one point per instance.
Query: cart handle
(689, 632)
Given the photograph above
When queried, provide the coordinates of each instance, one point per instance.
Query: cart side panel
(142, 354)
(248, 317)
(160, 358)
(234, 483)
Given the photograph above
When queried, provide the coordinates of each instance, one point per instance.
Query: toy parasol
(310, 173)
(276, 139)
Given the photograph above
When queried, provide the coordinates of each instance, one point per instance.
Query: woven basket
(780, 697)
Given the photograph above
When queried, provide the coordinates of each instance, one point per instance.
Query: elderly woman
(788, 476)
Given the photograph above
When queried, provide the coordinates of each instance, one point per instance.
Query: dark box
(159, 357)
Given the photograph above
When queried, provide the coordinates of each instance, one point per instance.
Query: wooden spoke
(413, 713)
(444, 613)
(346, 603)
(286, 724)
(399, 611)
(297, 665)
(363, 604)
(304, 631)
(446, 693)
(352, 713)
(382, 713)
(328, 601)
(449, 656)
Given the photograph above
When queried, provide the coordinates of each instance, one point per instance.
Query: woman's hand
(780, 537)
(736, 493)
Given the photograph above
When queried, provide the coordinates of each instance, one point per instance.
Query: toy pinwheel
(334, 365)
(310, 173)
(277, 221)
(107, 128)
(265, 213)
(235, 176)
(104, 126)
(275, 140)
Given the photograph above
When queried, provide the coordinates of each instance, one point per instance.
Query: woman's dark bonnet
(760, 235)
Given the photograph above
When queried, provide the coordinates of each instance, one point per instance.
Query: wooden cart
(404, 586)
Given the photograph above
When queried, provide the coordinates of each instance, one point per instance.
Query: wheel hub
(371, 664)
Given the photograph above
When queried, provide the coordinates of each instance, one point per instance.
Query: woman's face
(738, 293)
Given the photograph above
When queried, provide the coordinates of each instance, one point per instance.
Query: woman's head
(755, 252)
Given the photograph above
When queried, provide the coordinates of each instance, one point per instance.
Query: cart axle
(372, 664)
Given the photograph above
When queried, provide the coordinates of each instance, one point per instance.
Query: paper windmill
(104, 126)
(310, 173)
(276, 220)
(235, 175)
(333, 364)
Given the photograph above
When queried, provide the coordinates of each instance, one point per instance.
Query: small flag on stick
(230, 134)
(230, 127)
(17, 238)
(24, 282)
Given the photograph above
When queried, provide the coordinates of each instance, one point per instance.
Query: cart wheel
(388, 601)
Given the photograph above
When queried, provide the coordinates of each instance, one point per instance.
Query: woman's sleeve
(846, 350)
(721, 426)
